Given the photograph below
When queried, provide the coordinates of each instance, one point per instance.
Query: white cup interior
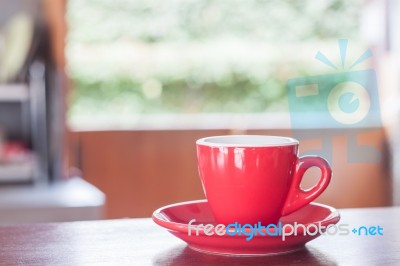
(246, 141)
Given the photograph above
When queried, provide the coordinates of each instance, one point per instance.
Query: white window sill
(199, 122)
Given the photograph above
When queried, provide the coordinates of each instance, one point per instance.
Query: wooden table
(141, 242)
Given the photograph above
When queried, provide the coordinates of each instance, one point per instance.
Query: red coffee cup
(253, 178)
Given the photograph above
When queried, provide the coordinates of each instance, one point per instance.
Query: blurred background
(101, 101)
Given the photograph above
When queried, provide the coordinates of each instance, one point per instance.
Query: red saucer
(175, 219)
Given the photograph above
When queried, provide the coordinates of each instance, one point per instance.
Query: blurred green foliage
(180, 56)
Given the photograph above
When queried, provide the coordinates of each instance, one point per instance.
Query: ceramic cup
(252, 178)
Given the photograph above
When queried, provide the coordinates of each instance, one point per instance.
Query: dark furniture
(141, 242)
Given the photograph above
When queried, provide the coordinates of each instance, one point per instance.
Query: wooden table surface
(141, 242)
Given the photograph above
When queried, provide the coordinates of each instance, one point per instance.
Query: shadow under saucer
(183, 255)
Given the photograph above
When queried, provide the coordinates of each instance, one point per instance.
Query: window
(134, 58)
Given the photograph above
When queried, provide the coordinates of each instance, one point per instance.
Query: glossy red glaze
(176, 217)
(298, 197)
(248, 183)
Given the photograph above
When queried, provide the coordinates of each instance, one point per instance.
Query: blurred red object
(13, 151)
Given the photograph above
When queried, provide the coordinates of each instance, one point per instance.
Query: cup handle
(297, 197)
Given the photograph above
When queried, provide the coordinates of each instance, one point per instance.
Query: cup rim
(255, 142)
